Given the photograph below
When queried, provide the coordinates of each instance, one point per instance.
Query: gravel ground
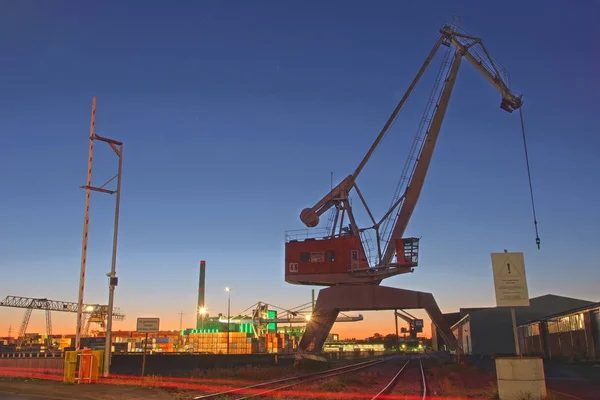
(444, 378)
(360, 385)
(84, 391)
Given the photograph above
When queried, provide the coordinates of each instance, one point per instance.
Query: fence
(31, 367)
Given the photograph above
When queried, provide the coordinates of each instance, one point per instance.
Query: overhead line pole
(113, 280)
(117, 147)
(86, 220)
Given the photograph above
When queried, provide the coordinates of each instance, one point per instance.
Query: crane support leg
(333, 300)
(48, 329)
(23, 327)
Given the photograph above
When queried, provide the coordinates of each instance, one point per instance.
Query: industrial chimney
(200, 310)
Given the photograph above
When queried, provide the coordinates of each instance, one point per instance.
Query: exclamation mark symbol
(508, 266)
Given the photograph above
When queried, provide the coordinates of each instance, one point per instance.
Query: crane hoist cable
(537, 236)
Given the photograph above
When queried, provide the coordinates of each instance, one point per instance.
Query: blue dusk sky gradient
(233, 115)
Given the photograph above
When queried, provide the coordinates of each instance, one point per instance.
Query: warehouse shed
(570, 335)
(437, 341)
(488, 331)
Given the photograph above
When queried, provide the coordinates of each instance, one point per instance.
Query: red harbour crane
(340, 256)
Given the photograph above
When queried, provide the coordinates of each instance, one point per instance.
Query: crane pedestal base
(334, 299)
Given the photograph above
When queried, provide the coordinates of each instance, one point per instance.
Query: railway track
(266, 388)
(388, 390)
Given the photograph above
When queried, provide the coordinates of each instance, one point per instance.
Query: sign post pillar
(515, 334)
(144, 356)
(515, 375)
(510, 283)
(147, 325)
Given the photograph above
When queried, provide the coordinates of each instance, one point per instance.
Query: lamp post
(228, 314)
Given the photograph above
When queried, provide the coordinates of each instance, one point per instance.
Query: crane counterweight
(309, 217)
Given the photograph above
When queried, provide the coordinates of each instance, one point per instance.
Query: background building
(571, 335)
(488, 331)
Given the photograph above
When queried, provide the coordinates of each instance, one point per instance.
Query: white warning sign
(510, 281)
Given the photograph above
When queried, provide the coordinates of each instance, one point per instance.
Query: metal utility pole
(228, 315)
(113, 280)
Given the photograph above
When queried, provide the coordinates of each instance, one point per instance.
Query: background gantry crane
(415, 325)
(258, 316)
(94, 313)
(340, 257)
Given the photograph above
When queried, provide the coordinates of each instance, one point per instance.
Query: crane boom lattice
(57, 305)
(93, 312)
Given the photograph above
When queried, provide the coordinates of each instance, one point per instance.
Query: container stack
(164, 344)
(279, 343)
(216, 343)
(155, 344)
(65, 343)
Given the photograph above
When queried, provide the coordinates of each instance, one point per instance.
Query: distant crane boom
(57, 305)
(93, 311)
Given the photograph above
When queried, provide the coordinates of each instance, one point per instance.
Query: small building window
(330, 256)
(305, 256)
(532, 330)
(564, 324)
(576, 321)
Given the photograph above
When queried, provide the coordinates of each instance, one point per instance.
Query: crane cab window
(317, 257)
(330, 256)
(305, 256)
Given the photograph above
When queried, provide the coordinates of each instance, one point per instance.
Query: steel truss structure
(94, 313)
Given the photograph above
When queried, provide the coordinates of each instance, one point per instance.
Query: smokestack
(201, 286)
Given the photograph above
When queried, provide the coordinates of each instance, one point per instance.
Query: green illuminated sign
(272, 314)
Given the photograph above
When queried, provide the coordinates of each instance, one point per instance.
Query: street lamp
(228, 314)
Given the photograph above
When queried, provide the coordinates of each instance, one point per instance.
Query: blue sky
(233, 116)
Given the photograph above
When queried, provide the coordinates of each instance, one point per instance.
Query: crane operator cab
(341, 260)
(407, 252)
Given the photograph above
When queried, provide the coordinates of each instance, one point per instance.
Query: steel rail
(315, 378)
(298, 380)
(394, 381)
(424, 380)
(388, 388)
